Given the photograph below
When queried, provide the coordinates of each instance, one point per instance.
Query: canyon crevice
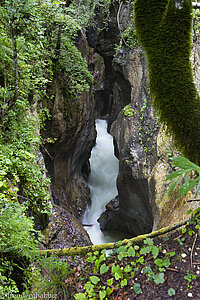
(143, 149)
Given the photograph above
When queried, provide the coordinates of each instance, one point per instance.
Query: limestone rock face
(125, 82)
(68, 140)
(166, 210)
(64, 231)
(135, 140)
(140, 145)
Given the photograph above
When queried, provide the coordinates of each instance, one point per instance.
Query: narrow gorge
(99, 149)
(140, 143)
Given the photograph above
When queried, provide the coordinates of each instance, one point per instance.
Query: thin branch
(118, 24)
(193, 200)
(47, 152)
(193, 249)
(173, 270)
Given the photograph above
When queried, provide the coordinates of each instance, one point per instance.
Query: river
(102, 182)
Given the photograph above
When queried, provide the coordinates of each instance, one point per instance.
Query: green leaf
(110, 281)
(158, 262)
(171, 253)
(131, 251)
(80, 296)
(183, 163)
(123, 282)
(159, 279)
(117, 276)
(186, 187)
(94, 279)
(148, 241)
(104, 269)
(102, 294)
(173, 186)
(108, 290)
(146, 249)
(175, 174)
(155, 251)
(137, 288)
(171, 292)
(128, 268)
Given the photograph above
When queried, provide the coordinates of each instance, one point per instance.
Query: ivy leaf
(117, 276)
(123, 282)
(131, 251)
(158, 262)
(148, 241)
(171, 292)
(159, 279)
(137, 289)
(128, 269)
(108, 290)
(110, 281)
(102, 294)
(94, 279)
(146, 249)
(104, 269)
(155, 251)
(80, 296)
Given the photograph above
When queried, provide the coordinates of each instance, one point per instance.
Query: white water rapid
(101, 181)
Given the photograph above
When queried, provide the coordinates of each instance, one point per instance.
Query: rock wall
(141, 146)
(68, 138)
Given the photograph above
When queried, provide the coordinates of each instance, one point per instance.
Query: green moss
(164, 31)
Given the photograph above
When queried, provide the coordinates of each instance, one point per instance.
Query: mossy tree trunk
(164, 30)
(73, 251)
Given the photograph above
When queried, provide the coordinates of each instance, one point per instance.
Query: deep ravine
(102, 182)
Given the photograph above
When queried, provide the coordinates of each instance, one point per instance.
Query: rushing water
(102, 182)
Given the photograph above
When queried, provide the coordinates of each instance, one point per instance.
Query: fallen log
(73, 251)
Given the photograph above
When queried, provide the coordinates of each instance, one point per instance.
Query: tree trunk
(84, 250)
(14, 42)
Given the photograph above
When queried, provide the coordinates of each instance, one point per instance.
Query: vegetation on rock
(37, 40)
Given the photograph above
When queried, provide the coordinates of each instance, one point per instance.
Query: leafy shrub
(17, 244)
(188, 175)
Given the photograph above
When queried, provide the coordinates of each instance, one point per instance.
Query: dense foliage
(37, 42)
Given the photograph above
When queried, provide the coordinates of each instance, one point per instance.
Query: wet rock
(64, 231)
(68, 138)
(112, 208)
(135, 145)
